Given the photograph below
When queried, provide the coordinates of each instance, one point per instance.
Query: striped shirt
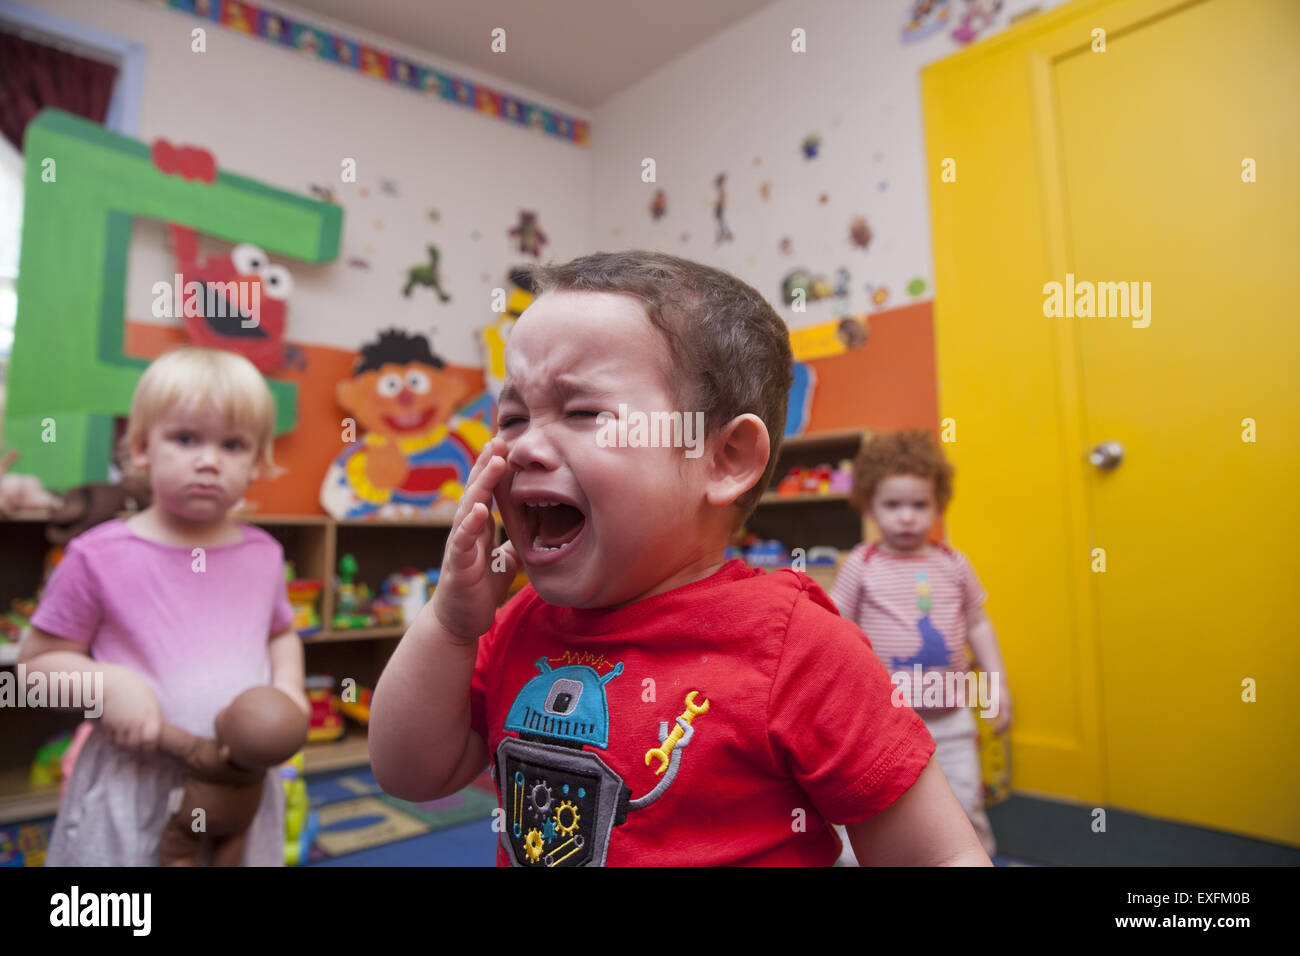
(912, 607)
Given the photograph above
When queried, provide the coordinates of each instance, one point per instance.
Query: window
(123, 115)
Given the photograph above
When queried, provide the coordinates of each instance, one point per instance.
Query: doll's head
(262, 727)
(643, 406)
(903, 482)
(202, 425)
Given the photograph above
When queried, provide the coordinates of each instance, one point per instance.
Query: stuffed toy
(80, 509)
(21, 492)
(226, 775)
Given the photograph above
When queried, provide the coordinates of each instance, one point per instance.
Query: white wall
(277, 116)
(744, 95)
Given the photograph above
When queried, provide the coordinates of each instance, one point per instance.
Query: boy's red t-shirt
(798, 729)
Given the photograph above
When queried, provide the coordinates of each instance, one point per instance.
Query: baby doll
(262, 727)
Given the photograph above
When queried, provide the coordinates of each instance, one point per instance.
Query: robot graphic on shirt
(561, 801)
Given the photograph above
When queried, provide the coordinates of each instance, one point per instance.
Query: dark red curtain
(35, 76)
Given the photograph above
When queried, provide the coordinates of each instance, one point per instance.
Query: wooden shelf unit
(809, 520)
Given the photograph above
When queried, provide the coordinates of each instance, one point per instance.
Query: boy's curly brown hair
(908, 452)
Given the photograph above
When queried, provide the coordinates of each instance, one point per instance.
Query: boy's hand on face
(469, 588)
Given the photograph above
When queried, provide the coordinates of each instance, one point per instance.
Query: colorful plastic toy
(350, 611)
(326, 721)
(303, 595)
(24, 845)
(300, 821)
(358, 710)
(768, 554)
(409, 590)
(823, 557)
(995, 761)
(46, 769)
(842, 478)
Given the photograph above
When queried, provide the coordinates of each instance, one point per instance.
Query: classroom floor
(359, 825)
(1031, 831)
(453, 844)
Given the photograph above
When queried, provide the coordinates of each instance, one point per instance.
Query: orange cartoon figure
(421, 435)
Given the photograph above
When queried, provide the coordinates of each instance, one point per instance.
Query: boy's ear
(737, 458)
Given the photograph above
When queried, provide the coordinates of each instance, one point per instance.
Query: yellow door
(1183, 556)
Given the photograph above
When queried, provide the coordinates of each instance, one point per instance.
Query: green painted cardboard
(67, 366)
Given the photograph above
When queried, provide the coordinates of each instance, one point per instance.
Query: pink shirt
(912, 607)
(199, 637)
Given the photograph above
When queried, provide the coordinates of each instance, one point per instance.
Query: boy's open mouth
(552, 525)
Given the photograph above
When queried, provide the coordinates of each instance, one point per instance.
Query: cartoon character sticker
(421, 437)
(240, 300)
(924, 18)
(562, 802)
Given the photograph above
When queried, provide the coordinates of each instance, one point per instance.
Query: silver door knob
(1107, 455)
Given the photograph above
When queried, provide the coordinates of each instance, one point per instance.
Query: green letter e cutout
(67, 362)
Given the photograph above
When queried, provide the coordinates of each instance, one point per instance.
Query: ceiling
(580, 51)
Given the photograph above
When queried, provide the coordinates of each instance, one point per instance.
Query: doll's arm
(287, 668)
(988, 658)
(926, 826)
(181, 744)
(203, 757)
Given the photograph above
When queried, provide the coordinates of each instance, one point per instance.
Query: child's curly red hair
(908, 452)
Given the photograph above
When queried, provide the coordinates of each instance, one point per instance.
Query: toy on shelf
(842, 478)
(47, 767)
(822, 480)
(995, 761)
(13, 624)
(80, 509)
(21, 494)
(772, 554)
(303, 595)
(300, 821)
(349, 611)
(359, 709)
(408, 590)
(767, 554)
(326, 721)
(24, 845)
(822, 556)
(385, 613)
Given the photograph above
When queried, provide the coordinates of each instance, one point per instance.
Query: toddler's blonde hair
(195, 378)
